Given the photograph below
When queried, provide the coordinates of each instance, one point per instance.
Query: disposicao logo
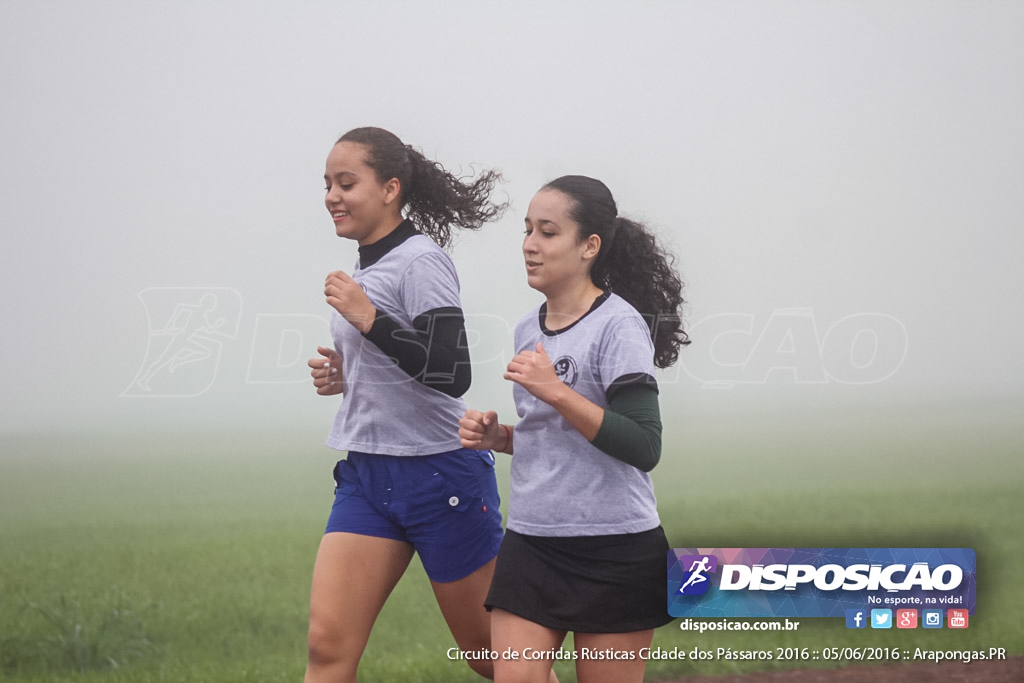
(695, 580)
(818, 582)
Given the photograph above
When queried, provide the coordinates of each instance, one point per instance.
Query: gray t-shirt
(385, 410)
(561, 484)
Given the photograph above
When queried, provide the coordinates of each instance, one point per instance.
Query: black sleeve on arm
(631, 428)
(434, 353)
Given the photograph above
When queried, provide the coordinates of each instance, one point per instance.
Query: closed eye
(545, 233)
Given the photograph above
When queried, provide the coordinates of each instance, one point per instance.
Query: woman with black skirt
(584, 550)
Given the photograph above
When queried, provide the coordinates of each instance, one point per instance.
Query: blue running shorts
(444, 505)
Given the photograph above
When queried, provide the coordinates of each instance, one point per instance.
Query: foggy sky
(841, 182)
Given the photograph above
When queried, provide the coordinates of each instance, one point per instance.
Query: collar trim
(543, 312)
(371, 253)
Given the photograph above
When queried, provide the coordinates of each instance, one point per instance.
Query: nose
(332, 196)
(530, 242)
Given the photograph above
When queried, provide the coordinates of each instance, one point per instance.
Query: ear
(392, 190)
(591, 247)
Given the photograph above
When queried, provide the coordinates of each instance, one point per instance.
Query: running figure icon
(697, 570)
(189, 327)
(188, 330)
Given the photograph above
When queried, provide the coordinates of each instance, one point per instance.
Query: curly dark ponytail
(435, 200)
(631, 263)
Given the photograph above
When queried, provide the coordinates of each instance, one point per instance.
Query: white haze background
(810, 162)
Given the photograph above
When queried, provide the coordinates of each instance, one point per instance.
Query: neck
(567, 306)
(383, 229)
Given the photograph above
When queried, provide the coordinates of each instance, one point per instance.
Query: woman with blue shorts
(400, 361)
(584, 550)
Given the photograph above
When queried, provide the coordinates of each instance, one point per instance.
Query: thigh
(352, 579)
(462, 604)
(513, 634)
(611, 657)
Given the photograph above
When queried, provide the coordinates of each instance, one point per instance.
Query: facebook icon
(856, 618)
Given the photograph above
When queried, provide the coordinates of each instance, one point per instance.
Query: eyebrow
(541, 221)
(342, 175)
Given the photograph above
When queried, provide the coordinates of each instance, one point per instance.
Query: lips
(339, 216)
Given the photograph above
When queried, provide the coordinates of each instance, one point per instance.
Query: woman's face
(362, 207)
(555, 257)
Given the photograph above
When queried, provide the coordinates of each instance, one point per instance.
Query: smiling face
(556, 259)
(363, 208)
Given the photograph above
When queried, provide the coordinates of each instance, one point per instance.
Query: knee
(483, 667)
(326, 649)
(318, 646)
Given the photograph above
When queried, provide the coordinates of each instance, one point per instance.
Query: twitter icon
(881, 618)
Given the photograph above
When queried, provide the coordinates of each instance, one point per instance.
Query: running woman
(584, 550)
(400, 360)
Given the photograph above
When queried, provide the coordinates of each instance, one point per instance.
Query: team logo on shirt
(565, 370)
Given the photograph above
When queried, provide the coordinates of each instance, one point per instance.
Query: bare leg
(462, 604)
(511, 632)
(593, 670)
(353, 577)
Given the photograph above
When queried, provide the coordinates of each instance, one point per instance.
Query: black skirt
(590, 584)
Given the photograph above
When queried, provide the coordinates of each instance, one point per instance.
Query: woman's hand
(482, 432)
(346, 297)
(326, 372)
(533, 371)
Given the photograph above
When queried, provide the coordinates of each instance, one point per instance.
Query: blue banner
(817, 582)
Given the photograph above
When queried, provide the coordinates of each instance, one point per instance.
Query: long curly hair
(434, 199)
(631, 263)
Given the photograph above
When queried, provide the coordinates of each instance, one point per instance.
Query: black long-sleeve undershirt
(433, 353)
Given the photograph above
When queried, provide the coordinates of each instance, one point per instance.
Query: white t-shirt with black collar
(384, 410)
(561, 484)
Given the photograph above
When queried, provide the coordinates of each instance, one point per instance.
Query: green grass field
(189, 558)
